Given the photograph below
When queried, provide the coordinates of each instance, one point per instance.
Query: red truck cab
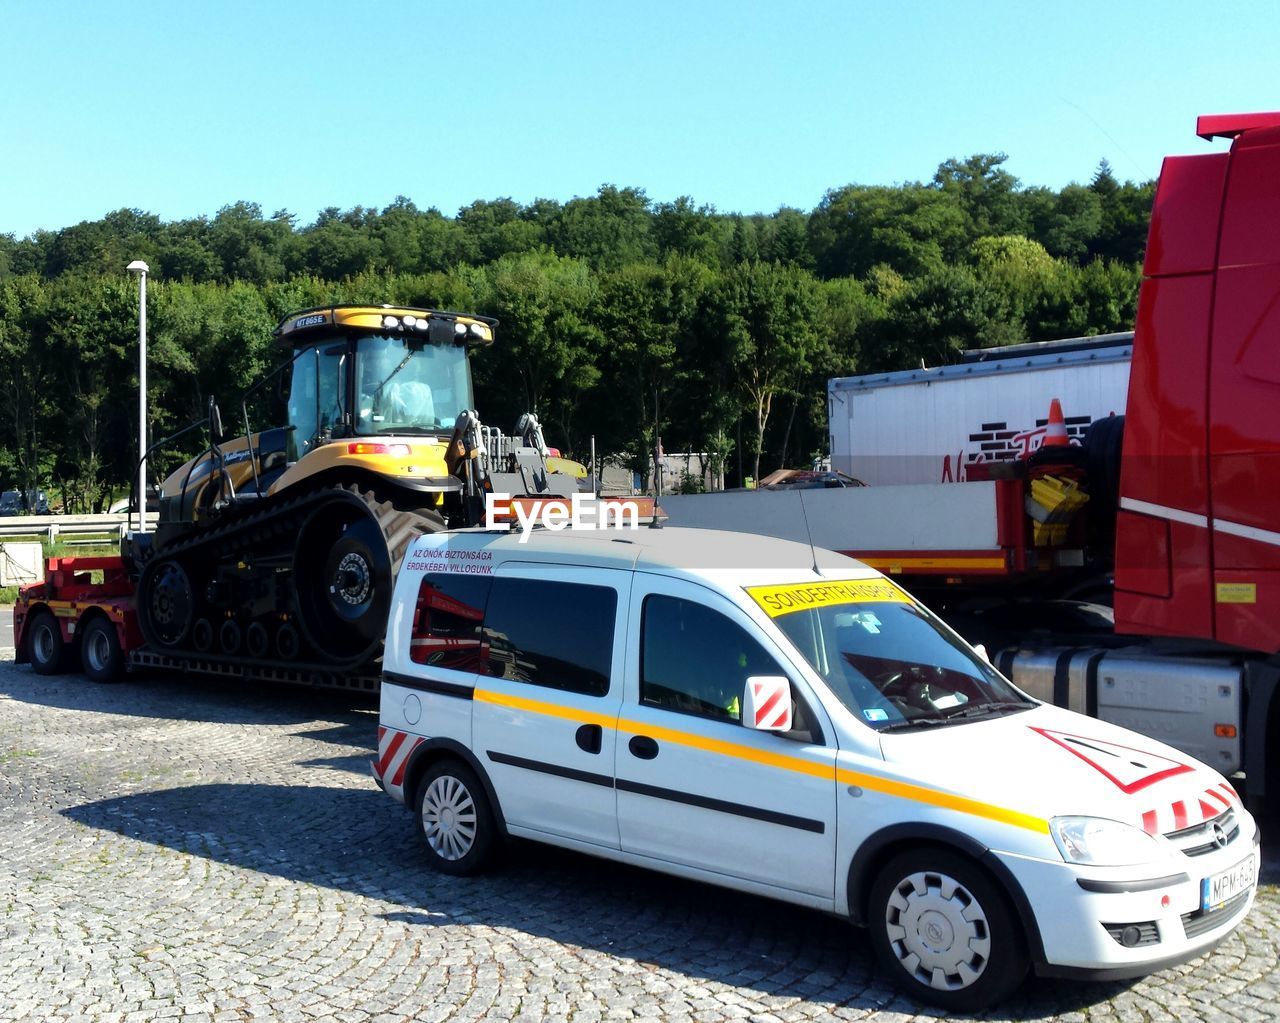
(1198, 530)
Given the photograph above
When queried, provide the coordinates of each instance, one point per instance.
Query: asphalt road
(198, 850)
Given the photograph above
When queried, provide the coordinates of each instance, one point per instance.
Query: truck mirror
(766, 703)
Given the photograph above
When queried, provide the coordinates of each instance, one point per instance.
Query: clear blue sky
(181, 108)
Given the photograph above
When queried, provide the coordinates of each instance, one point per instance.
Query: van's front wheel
(455, 819)
(942, 929)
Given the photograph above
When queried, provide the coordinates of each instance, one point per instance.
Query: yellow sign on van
(781, 600)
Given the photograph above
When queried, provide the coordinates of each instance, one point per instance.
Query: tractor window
(321, 370)
(410, 386)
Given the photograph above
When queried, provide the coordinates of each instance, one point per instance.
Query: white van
(784, 721)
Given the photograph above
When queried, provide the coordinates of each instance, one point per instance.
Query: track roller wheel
(166, 605)
(288, 643)
(345, 565)
(257, 640)
(202, 635)
(230, 636)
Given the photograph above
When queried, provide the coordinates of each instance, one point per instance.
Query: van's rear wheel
(942, 929)
(45, 649)
(455, 819)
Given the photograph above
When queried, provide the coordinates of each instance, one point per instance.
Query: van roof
(671, 549)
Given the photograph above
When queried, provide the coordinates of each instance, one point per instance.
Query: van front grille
(1200, 839)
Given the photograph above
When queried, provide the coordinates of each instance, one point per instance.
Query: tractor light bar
(374, 448)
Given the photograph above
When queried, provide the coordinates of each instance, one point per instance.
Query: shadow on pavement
(203, 698)
(362, 842)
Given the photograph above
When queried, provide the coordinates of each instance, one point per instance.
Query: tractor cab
(361, 371)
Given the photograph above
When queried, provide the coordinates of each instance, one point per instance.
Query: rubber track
(265, 521)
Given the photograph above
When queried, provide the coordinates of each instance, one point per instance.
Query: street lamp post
(141, 268)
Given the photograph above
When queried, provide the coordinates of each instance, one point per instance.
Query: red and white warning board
(768, 703)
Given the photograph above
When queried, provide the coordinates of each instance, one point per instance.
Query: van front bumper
(1106, 924)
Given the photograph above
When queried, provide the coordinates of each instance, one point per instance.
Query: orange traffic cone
(1055, 432)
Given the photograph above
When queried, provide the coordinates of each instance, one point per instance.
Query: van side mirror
(766, 703)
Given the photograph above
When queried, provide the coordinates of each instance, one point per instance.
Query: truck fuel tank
(1193, 704)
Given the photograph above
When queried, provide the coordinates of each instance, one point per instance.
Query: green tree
(913, 229)
(984, 190)
(549, 349)
(649, 313)
(770, 315)
(608, 230)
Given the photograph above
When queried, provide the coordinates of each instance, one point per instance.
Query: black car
(17, 502)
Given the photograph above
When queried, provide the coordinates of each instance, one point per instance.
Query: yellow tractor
(280, 548)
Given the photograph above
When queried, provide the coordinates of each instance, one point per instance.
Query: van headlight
(1102, 843)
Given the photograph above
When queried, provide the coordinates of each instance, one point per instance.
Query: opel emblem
(1219, 836)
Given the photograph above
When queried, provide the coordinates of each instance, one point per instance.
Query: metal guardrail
(69, 528)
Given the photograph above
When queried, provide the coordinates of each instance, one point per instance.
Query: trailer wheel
(100, 653)
(45, 649)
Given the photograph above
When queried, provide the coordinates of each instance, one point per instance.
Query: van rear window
(553, 634)
(448, 622)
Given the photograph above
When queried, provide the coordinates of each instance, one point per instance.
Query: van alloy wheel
(455, 818)
(449, 818)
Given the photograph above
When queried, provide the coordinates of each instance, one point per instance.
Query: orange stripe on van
(887, 786)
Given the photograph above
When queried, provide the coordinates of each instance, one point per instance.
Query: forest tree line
(621, 318)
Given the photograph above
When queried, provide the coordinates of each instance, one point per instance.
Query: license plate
(1220, 888)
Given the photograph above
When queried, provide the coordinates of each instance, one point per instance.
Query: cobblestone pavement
(188, 849)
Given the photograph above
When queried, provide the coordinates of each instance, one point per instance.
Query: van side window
(695, 660)
(447, 622)
(553, 634)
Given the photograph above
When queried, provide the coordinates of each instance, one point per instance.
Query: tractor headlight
(390, 322)
(1102, 843)
(459, 329)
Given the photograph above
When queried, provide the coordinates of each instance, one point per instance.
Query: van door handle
(643, 747)
(588, 738)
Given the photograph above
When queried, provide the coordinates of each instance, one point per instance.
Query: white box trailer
(930, 425)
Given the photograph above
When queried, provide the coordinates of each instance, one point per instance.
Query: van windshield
(889, 661)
